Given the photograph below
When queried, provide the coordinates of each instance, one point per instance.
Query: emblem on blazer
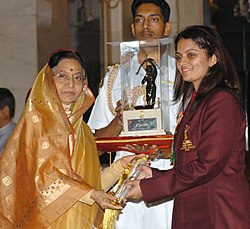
(187, 143)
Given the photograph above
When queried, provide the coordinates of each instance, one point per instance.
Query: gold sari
(49, 163)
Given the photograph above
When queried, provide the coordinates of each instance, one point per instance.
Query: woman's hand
(146, 172)
(135, 190)
(126, 159)
(103, 199)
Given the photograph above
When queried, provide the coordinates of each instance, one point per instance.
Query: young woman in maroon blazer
(208, 180)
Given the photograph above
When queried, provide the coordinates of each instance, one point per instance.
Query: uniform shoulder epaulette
(114, 66)
(110, 69)
(113, 71)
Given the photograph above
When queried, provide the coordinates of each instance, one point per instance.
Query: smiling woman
(209, 142)
(193, 62)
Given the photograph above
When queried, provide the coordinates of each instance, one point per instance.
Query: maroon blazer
(208, 180)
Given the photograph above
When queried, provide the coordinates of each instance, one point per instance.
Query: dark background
(235, 31)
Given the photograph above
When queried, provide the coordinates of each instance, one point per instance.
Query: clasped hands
(105, 200)
(135, 191)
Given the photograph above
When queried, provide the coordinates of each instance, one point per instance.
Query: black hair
(60, 54)
(165, 8)
(222, 74)
(7, 99)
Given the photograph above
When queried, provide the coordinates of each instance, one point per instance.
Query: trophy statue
(145, 94)
(149, 79)
(144, 85)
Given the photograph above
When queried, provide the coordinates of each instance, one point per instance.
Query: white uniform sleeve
(101, 115)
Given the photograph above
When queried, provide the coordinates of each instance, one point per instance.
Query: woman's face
(193, 62)
(69, 77)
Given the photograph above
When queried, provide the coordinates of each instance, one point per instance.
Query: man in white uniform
(151, 21)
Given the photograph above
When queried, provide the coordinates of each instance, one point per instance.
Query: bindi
(71, 69)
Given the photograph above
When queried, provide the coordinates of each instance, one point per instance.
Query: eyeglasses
(78, 78)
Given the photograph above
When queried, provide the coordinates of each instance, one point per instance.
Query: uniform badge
(187, 144)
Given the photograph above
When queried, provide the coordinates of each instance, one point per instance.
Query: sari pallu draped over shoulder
(45, 167)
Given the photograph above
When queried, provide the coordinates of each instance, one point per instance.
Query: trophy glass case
(145, 87)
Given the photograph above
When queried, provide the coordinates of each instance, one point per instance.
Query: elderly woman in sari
(50, 171)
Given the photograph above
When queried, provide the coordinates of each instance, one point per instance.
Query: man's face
(149, 23)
